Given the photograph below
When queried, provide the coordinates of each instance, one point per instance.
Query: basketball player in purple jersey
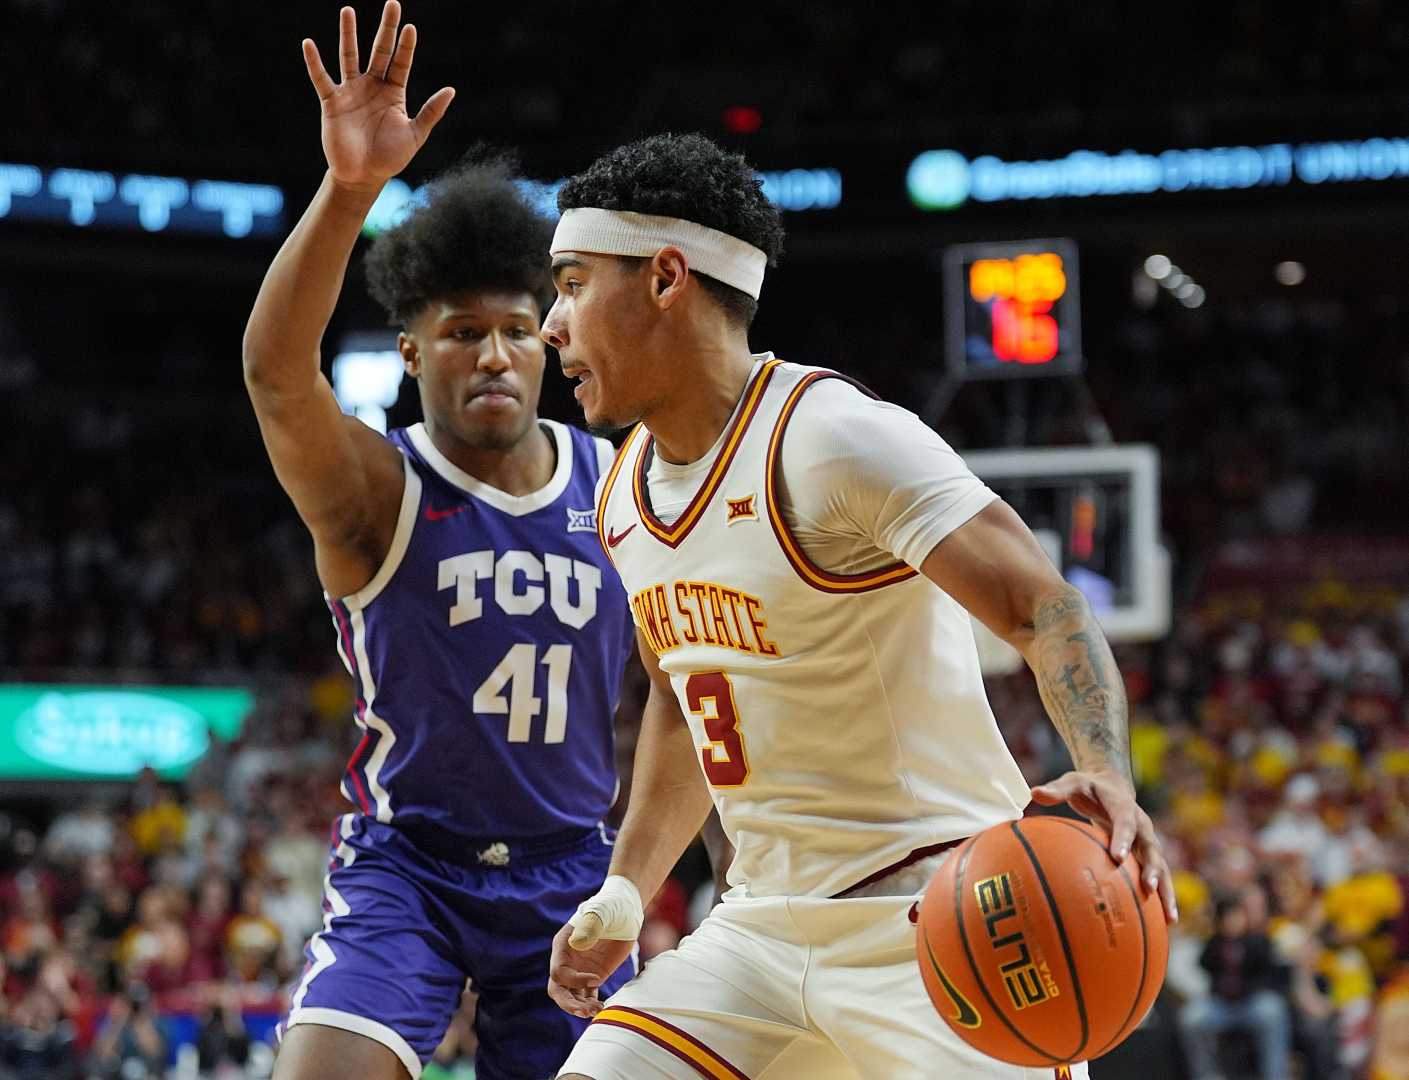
(473, 604)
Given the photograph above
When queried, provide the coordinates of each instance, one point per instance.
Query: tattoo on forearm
(1079, 683)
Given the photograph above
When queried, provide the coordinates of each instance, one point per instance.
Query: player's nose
(494, 357)
(554, 331)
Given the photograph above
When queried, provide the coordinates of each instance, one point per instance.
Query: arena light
(1289, 272)
(743, 119)
(1170, 278)
(1158, 267)
(367, 375)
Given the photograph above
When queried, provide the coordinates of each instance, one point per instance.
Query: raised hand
(368, 136)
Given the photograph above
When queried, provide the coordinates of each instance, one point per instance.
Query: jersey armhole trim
(400, 541)
(612, 474)
(810, 572)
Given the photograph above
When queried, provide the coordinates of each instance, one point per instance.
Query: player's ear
(410, 354)
(670, 271)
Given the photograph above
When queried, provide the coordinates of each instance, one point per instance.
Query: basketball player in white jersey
(801, 562)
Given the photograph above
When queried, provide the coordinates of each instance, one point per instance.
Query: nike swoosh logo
(432, 514)
(614, 538)
(964, 1014)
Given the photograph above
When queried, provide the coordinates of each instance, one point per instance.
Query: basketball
(1036, 948)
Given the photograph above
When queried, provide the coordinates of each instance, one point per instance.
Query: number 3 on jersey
(710, 695)
(516, 671)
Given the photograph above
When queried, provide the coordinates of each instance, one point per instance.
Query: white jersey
(841, 718)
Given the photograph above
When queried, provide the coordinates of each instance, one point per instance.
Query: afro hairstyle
(475, 230)
(689, 177)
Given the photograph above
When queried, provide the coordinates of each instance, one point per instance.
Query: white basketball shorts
(787, 988)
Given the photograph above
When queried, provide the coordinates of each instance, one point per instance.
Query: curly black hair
(475, 231)
(690, 177)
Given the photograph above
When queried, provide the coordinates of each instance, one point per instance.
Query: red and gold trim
(669, 1037)
(672, 535)
(809, 571)
(621, 456)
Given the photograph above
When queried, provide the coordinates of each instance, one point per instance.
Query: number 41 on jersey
(517, 674)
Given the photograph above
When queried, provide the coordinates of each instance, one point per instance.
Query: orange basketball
(1036, 948)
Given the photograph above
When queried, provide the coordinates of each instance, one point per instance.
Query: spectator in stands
(141, 943)
(130, 1046)
(223, 1046)
(214, 835)
(1297, 828)
(1244, 996)
(159, 826)
(252, 939)
(36, 1041)
(79, 834)
(1391, 1055)
(209, 921)
(30, 931)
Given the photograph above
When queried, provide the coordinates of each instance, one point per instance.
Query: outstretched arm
(669, 804)
(345, 480)
(994, 566)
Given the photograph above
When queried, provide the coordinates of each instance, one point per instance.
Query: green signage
(65, 731)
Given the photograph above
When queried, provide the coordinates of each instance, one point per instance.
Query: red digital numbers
(1024, 332)
(1022, 291)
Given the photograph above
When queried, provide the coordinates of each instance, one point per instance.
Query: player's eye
(465, 333)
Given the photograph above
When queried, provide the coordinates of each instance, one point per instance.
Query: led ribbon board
(1012, 309)
(81, 732)
(157, 204)
(946, 179)
(792, 190)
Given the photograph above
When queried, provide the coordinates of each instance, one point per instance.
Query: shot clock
(1012, 309)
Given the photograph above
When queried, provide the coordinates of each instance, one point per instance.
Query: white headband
(621, 232)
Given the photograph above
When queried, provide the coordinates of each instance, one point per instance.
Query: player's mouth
(580, 373)
(495, 394)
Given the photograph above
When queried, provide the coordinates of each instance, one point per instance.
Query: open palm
(368, 136)
(574, 975)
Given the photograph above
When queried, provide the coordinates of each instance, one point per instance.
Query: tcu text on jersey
(516, 585)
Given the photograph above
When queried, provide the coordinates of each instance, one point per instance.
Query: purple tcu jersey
(488, 652)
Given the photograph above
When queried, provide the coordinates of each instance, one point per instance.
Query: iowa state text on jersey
(702, 612)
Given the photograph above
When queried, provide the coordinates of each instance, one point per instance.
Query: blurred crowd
(147, 927)
(1271, 744)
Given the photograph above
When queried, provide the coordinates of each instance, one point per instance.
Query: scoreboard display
(1012, 309)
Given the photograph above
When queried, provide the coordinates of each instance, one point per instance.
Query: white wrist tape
(618, 910)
